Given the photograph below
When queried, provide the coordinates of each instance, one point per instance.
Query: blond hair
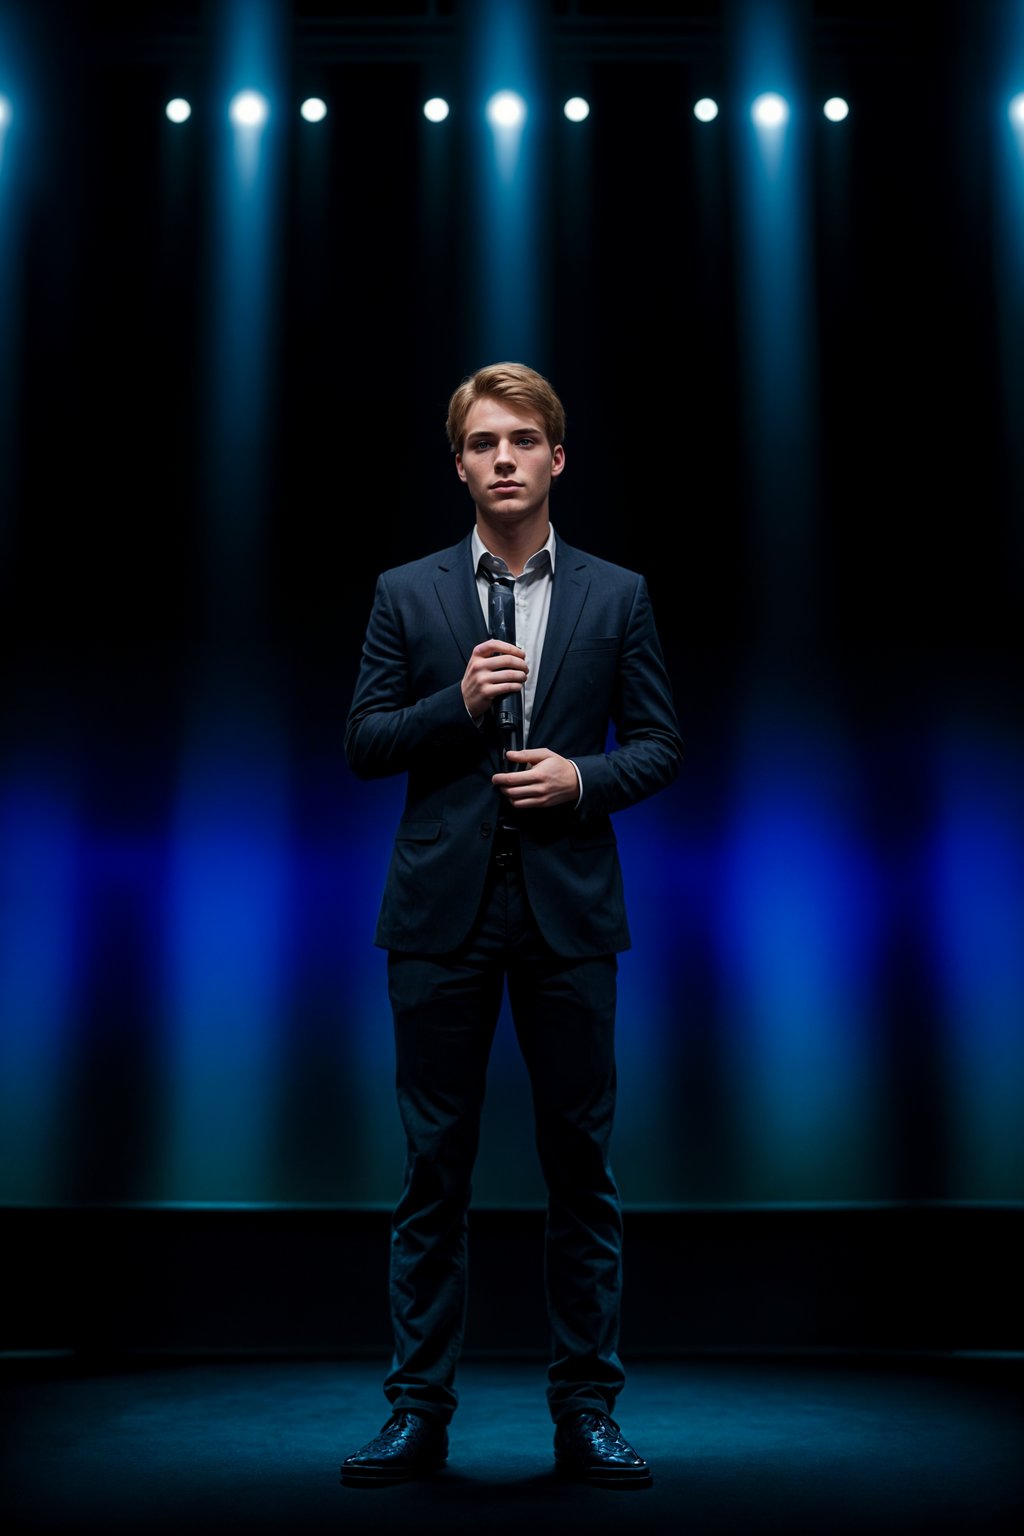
(514, 382)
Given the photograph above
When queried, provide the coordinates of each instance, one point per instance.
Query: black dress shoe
(590, 1446)
(409, 1445)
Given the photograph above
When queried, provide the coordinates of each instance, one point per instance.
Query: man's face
(506, 461)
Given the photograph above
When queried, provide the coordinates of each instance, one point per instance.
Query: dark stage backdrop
(793, 378)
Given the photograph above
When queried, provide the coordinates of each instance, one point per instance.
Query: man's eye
(526, 442)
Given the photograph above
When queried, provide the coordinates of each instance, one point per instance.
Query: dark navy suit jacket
(601, 667)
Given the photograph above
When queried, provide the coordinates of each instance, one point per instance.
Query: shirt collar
(482, 554)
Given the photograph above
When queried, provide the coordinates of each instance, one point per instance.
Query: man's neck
(515, 543)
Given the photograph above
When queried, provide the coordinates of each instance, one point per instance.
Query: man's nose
(505, 454)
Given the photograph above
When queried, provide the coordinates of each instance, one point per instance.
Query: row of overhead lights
(507, 110)
(504, 110)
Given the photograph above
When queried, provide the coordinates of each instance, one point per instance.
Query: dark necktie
(508, 711)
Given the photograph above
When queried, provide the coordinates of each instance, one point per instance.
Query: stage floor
(806, 1447)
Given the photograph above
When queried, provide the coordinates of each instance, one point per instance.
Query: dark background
(825, 997)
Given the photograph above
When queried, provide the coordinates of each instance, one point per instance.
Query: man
(505, 870)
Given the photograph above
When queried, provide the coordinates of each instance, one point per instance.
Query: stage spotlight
(178, 110)
(249, 109)
(705, 110)
(5, 111)
(576, 109)
(835, 109)
(313, 109)
(1017, 110)
(435, 110)
(769, 111)
(506, 110)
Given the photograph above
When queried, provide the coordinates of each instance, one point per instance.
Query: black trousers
(445, 1012)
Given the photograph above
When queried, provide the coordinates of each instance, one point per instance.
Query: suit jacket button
(485, 829)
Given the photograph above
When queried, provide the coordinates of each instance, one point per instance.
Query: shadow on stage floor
(819, 1445)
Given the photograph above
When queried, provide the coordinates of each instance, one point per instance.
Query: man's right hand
(495, 669)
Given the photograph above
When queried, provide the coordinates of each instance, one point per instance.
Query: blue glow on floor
(978, 952)
(38, 975)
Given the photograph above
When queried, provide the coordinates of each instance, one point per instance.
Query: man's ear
(458, 466)
(557, 460)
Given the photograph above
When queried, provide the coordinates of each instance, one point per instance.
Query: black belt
(505, 848)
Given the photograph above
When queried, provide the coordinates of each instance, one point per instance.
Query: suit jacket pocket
(588, 671)
(592, 837)
(418, 831)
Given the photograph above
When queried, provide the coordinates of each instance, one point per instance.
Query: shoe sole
(600, 1478)
(379, 1477)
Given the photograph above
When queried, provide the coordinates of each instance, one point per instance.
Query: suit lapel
(568, 594)
(455, 585)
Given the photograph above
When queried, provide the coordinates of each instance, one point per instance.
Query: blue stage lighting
(313, 109)
(178, 110)
(225, 992)
(577, 109)
(435, 110)
(40, 981)
(705, 110)
(240, 302)
(505, 49)
(835, 109)
(769, 110)
(1017, 111)
(976, 897)
(775, 242)
(5, 111)
(506, 110)
(798, 943)
(249, 110)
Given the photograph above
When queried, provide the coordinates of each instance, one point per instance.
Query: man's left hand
(545, 779)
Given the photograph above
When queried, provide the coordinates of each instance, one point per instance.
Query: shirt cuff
(579, 781)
